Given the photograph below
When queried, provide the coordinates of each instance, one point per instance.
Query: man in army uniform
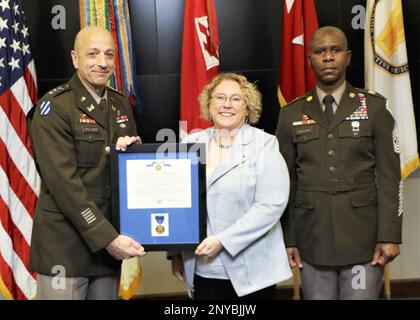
(341, 147)
(75, 249)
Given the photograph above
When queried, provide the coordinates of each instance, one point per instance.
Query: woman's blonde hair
(251, 95)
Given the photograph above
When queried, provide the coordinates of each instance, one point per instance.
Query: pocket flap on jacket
(304, 200)
(89, 137)
(305, 133)
(363, 198)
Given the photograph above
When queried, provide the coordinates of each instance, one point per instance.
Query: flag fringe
(282, 100)
(126, 294)
(5, 291)
(410, 167)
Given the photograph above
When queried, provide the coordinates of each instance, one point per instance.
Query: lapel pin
(352, 95)
(309, 99)
(82, 99)
(91, 108)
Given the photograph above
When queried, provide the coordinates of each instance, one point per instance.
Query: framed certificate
(159, 194)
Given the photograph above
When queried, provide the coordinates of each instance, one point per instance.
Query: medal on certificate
(160, 228)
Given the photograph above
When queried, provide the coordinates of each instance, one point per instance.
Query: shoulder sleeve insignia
(45, 108)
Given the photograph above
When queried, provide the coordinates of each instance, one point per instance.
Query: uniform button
(331, 136)
(332, 169)
(331, 153)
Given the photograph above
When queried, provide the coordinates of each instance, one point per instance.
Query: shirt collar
(94, 95)
(337, 93)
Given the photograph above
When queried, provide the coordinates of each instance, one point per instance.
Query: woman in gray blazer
(244, 255)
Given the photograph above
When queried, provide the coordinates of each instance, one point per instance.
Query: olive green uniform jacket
(69, 133)
(346, 188)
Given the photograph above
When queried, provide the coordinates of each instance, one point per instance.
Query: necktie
(103, 105)
(328, 101)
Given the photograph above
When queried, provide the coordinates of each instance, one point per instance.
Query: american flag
(19, 181)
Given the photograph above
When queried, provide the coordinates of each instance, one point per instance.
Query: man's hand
(385, 253)
(123, 247)
(123, 143)
(294, 257)
(209, 247)
(178, 268)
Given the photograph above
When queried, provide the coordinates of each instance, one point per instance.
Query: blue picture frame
(161, 228)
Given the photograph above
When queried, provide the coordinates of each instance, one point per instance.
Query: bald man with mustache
(75, 249)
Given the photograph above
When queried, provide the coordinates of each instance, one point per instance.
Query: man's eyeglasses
(235, 99)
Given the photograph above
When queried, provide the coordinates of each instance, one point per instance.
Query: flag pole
(296, 283)
(209, 13)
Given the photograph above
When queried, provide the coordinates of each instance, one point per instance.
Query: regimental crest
(210, 53)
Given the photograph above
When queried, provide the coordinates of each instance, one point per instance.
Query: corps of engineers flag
(386, 71)
(296, 77)
(200, 60)
(19, 181)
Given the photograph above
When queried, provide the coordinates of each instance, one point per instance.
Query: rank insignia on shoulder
(45, 108)
(56, 91)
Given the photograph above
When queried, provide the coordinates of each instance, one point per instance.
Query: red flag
(19, 181)
(200, 58)
(295, 75)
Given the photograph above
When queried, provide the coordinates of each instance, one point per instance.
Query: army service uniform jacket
(69, 133)
(345, 178)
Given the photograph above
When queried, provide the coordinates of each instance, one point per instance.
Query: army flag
(114, 15)
(19, 180)
(200, 60)
(296, 77)
(386, 71)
